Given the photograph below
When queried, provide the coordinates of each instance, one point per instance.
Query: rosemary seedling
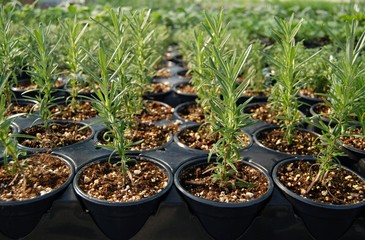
(213, 34)
(110, 100)
(9, 49)
(43, 69)
(73, 36)
(228, 118)
(284, 94)
(346, 93)
(11, 152)
(144, 50)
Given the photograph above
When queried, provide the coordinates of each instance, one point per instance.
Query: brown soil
(105, 181)
(304, 143)
(58, 135)
(155, 111)
(15, 108)
(84, 110)
(310, 92)
(326, 111)
(260, 93)
(157, 88)
(339, 187)
(186, 88)
(26, 86)
(356, 139)
(41, 174)
(193, 113)
(263, 112)
(198, 181)
(163, 73)
(323, 110)
(201, 138)
(152, 136)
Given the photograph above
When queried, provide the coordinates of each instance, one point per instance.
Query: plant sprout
(144, 50)
(203, 80)
(43, 70)
(284, 93)
(73, 35)
(346, 97)
(346, 93)
(9, 50)
(7, 138)
(110, 100)
(228, 118)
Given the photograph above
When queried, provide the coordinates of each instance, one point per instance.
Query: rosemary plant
(7, 138)
(228, 118)
(284, 93)
(9, 50)
(144, 50)
(110, 100)
(346, 93)
(73, 35)
(43, 68)
(213, 34)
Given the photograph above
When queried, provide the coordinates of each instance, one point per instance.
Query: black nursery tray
(68, 219)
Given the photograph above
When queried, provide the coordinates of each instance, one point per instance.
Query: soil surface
(310, 92)
(201, 138)
(253, 93)
(186, 88)
(192, 112)
(356, 139)
(304, 143)
(16, 108)
(58, 135)
(105, 181)
(83, 110)
(157, 88)
(339, 186)
(263, 112)
(198, 181)
(27, 85)
(163, 73)
(155, 111)
(41, 174)
(152, 136)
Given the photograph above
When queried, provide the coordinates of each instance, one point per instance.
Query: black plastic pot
(254, 99)
(19, 218)
(323, 221)
(307, 103)
(263, 130)
(181, 108)
(184, 97)
(19, 93)
(29, 149)
(121, 220)
(159, 96)
(357, 156)
(98, 137)
(222, 220)
(196, 152)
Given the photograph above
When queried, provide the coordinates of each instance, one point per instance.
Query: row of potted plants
(120, 68)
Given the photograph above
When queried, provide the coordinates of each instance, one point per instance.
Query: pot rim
(62, 157)
(201, 160)
(163, 146)
(103, 158)
(60, 147)
(197, 125)
(282, 187)
(273, 126)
